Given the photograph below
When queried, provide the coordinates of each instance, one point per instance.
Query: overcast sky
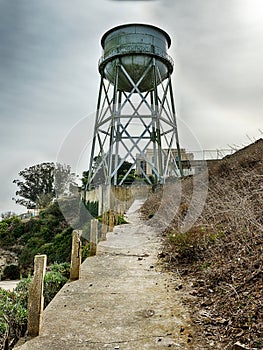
(49, 51)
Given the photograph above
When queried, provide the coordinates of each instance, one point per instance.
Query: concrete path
(9, 285)
(122, 301)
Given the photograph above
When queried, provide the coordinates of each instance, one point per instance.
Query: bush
(85, 251)
(119, 220)
(92, 207)
(63, 269)
(54, 281)
(13, 318)
(55, 278)
(11, 272)
(192, 245)
(13, 305)
(22, 290)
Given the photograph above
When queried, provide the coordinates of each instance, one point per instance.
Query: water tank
(134, 46)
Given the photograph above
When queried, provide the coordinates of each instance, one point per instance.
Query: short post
(75, 255)
(35, 296)
(104, 228)
(111, 220)
(93, 236)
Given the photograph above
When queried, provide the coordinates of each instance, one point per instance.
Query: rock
(180, 286)
(239, 346)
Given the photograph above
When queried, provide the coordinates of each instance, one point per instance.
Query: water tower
(135, 118)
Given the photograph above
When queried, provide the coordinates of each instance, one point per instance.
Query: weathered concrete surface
(122, 301)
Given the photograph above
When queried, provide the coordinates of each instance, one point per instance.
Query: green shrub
(63, 268)
(13, 318)
(85, 251)
(11, 272)
(26, 258)
(13, 305)
(53, 282)
(92, 207)
(22, 290)
(3, 229)
(55, 278)
(62, 246)
(190, 245)
(49, 234)
(120, 220)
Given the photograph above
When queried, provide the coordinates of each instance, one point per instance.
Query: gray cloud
(48, 76)
(49, 79)
(218, 56)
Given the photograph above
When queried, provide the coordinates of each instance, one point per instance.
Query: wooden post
(35, 296)
(111, 220)
(75, 255)
(93, 236)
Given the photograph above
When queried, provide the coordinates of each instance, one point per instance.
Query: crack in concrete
(129, 340)
(133, 255)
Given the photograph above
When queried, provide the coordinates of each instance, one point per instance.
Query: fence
(112, 203)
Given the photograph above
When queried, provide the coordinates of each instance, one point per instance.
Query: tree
(37, 185)
(124, 168)
(100, 178)
(65, 184)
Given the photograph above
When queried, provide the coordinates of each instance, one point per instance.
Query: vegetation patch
(13, 305)
(221, 255)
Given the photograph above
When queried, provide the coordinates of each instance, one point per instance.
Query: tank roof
(135, 24)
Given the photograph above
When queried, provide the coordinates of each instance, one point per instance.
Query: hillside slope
(221, 255)
(21, 241)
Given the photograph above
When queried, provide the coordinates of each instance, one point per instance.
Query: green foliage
(120, 220)
(192, 245)
(22, 290)
(54, 281)
(52, 213)
(10, 229)
(84, 179)
(189, 245)
(48, 234)
(13, 305)
(56, 276)
(13, 318)
(36, 185)
(59, 249)
(3, 229)
(92, 207)
(125, 168)
(85, 251)
(62, 268)
(40, 184)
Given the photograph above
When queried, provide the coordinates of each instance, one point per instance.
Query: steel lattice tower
(136, 109)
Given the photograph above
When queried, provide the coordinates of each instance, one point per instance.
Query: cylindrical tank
(134, 46)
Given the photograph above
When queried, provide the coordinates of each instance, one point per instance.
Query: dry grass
(221, 254)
